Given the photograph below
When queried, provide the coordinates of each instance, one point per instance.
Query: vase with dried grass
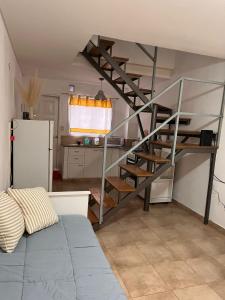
(31, 93)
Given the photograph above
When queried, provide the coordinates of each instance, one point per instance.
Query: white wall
(191, 180)
(9, 69)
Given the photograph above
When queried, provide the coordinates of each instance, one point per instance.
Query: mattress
(62, 262)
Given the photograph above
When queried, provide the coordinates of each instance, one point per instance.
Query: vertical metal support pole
(103, 182)
(149, 163)
(154, 71)
(99, 57)
(210, 186)
(152, 127)
(221, 118)
(136, 182)
(181, 88)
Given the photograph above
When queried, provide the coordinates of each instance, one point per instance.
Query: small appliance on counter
(86, 141)
(96, 141)
(116, 141)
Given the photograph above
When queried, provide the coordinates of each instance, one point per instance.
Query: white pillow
(11, 223)
(36, 206)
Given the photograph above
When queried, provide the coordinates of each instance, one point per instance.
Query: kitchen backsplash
(68, 140)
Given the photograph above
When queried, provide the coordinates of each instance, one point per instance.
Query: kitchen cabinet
(93, 162)
(86, 162)
(75, 171)
(73, 163)
(113, 155)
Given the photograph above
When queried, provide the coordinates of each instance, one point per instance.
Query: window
(89, 117)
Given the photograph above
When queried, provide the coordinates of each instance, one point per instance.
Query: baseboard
(211, 224)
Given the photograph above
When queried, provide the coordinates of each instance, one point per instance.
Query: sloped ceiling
(50, 33)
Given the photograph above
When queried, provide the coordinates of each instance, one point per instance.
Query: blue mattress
(62, 262)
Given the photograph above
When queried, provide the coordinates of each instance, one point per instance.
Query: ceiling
(49, 34)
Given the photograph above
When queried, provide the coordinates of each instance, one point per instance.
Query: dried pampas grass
(31, 93)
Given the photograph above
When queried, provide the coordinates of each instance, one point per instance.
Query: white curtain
(89, 117)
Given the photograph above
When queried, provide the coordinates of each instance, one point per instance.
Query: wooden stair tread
(120, 185)
(108, 202)
(133, 94)
(137, 107)
(120, 60)
(181, 146)
(183, 121)
(106, 44)
(132, 76)
(92, 216)
(189, 133)
(155, 158)
(164, 109)
(135, 170)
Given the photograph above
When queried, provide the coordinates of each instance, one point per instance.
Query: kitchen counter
(96, 146)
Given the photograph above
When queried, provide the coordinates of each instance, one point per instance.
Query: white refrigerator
(32, 154)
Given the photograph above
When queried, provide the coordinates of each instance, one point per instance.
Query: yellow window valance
(90, 102)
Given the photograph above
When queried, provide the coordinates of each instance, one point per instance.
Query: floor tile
(145, 234)
(211, 246)
(219, 288)
(220, 259)
(167, 233)
(150, 220)
(201, 292)
(112, 226)
(182, 250)
(127, 256)
(131, 223)
(155, 252)
(162, 220)
(161, 209)
(141, 281)
(114, 239)
(177, 274)
(191, 231)
(159, 296)
(207, 268)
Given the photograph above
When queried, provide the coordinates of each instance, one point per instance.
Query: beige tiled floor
(164, 254)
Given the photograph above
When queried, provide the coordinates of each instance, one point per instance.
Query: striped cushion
(37, 209)
(11, 223)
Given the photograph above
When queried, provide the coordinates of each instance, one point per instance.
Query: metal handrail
(158, 96)
(176, 115)
(143, 107)
(141, 142)
(204, 81)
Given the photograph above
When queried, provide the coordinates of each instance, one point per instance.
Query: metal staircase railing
(176, 115)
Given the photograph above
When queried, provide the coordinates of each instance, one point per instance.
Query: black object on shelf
(206, 138)
(26, 115)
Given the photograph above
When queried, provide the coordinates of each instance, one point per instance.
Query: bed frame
(70, 203)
